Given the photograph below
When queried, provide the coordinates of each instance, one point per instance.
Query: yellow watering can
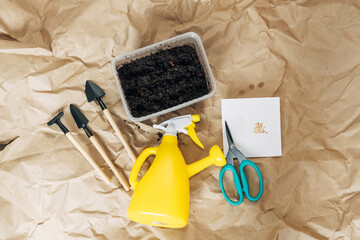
(161, 197)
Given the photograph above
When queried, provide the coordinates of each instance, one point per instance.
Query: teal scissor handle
(244, 181)
(236, 181)
(240, 189)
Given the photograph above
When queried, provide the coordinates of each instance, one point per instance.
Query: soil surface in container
(162, 80)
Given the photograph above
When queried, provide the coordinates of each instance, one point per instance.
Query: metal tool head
(93, 91)
(79, 118)
(233, 151)
(55, 119)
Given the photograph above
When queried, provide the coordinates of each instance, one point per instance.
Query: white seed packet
(254, 124)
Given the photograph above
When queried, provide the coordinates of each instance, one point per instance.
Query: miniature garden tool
(94, 92)
(81, 122)
(57, 121)
(231, 155)
(161, 197)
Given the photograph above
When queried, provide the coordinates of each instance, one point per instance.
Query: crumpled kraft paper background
(305, 52)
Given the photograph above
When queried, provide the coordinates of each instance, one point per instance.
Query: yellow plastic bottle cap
(196, 118)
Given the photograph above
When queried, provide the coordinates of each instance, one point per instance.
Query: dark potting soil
(162, 80)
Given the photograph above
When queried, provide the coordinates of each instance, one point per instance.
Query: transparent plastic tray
(187, 38)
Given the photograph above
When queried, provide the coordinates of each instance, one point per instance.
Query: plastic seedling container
(189, 38)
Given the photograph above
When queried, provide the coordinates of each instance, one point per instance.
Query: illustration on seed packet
(259, 128)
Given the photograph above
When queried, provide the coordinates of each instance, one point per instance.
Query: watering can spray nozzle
(183, 124)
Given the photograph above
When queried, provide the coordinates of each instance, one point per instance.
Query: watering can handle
(138, 163)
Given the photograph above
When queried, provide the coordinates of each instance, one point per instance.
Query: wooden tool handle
(118, 132)
(88, 157)
(102, 152)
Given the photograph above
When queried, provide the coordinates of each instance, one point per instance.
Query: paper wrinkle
(304, 52)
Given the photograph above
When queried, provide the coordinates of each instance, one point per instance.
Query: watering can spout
(215, 157)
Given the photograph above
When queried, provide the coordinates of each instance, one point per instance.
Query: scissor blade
(234, 152)
(230, 155)
(228, 135)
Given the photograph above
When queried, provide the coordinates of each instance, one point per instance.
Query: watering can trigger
(191, 132)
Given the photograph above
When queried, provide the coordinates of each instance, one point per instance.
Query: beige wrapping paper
(305, 52)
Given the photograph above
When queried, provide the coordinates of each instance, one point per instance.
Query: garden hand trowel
(56, 120)
(94, 92)
(81, 122)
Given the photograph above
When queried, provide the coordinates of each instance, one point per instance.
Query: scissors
(244, 187)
